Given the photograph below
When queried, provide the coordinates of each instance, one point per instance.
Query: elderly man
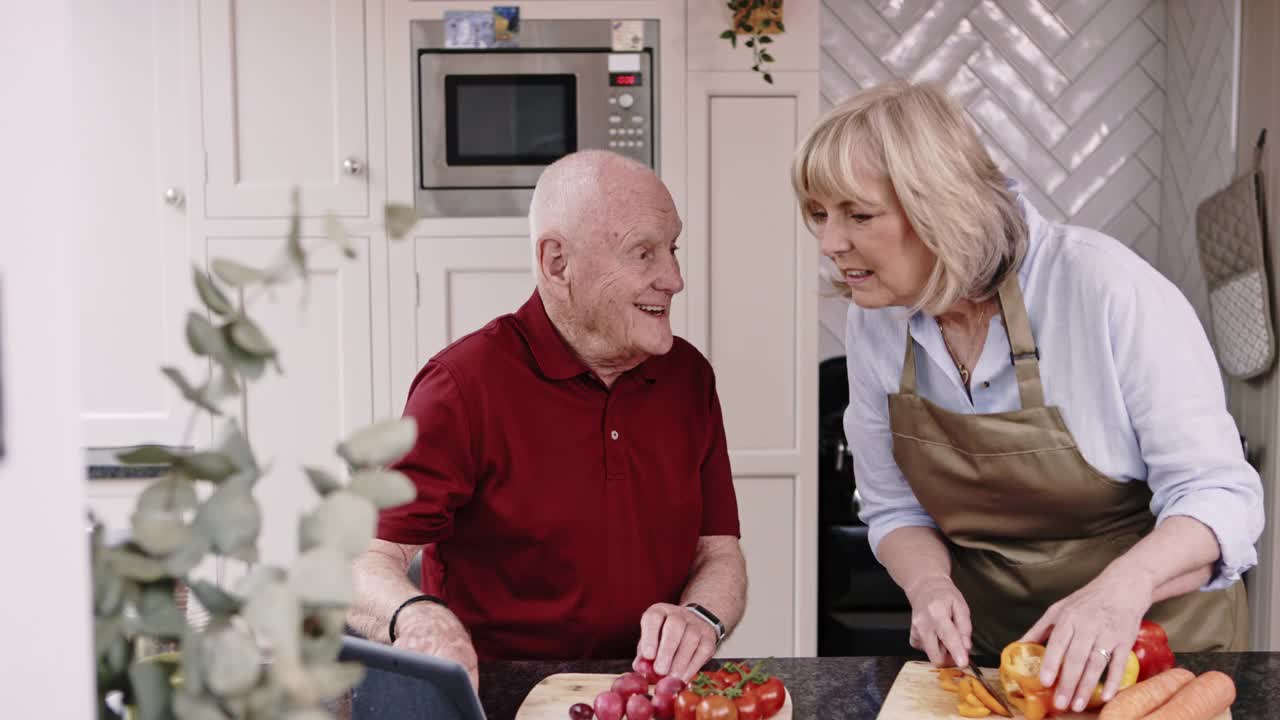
(571, 466)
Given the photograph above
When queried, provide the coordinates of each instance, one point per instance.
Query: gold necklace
(960, 365)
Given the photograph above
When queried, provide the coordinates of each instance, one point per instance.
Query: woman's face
(873, 245)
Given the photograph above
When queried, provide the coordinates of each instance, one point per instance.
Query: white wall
(47, 663)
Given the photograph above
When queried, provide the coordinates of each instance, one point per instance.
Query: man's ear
(553, 260)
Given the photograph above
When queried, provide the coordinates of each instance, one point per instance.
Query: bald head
(584, 195)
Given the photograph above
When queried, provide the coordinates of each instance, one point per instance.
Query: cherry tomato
(772, 694)
(749, 707)
(581, 711)
(687, 705)
(644, 666)
(609, 705)
(717, 707)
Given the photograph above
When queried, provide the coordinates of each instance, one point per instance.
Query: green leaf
(322, 577)
(266, 701)
(208, 465)
(193, 395)
(249, 366)
(172, 494)
(237, 275)
(399, 220)
(322, 480)
(151, 690)
(204, 339)
(192, 669)
(733, 41)
(338, 235)
(780, 27)
(148, 455)
(186, 558)
(747, 27)
(766, 23)
(768, 78)
(275, 612)
(211, 294)
(213, 598)
(293, 243)
(380, 443)
(231, 662)
(158, 614)
(330, 680)
(186, 707)
(159, 532)
(236, 446)
(246, 335)
(766, 56)
(726, 35)
(750, 43)
(133, 566)
(384, 488)
(230, 517)
(765, 39)
(119, 655)
(106, 630)
(108, 590)
(342, 521)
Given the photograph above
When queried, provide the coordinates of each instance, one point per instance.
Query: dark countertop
(855, 687)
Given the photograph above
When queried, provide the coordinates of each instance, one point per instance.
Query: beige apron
(1027, 519)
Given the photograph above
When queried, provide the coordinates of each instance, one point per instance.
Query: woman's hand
(940, 624)
(1101, 616)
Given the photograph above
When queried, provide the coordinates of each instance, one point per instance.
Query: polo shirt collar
(555, 359)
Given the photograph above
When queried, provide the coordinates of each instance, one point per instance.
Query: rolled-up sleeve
(886, 500)
(1190, 444)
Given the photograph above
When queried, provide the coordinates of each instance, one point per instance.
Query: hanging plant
(758, 19)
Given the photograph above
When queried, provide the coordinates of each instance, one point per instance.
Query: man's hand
(676, 640)
(432, 629)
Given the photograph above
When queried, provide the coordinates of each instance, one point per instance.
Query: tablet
(438, 688)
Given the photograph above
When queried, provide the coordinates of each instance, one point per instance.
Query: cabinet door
(135, 272)
(322, 335)
(283, 105)
(752, 289)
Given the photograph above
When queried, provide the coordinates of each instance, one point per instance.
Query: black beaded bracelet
(417, 598)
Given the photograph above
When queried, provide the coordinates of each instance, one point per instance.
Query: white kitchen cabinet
(133, 177)
(322, 334)
(752, 290)
(283, 98)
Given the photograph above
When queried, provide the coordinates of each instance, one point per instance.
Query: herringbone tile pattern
(1114, 114)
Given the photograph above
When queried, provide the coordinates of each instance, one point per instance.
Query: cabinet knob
(352, 166)
(174, 197)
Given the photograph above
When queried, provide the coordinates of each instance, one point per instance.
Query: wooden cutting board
(917, 695)
(551, 698)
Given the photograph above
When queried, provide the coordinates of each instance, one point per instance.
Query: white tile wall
(1115, 114)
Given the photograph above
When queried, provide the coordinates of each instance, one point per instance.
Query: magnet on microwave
(628, 35)
(468, 29)
(506, 26)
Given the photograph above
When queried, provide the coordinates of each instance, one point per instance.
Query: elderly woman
(1039, 434)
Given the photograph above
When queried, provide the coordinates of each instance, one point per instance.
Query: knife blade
(977, 674)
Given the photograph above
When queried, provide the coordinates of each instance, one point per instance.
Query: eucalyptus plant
(270, 647)
(757, 19)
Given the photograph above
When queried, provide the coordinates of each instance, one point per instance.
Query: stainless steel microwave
(489, 120)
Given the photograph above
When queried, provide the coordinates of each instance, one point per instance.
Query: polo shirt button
(614, 434)
(986, 385)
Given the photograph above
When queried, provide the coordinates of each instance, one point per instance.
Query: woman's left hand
(1101, 616)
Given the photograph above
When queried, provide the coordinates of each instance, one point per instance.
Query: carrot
(1136, 701)
(1200, 699)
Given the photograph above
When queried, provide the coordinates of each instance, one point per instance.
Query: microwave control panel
(630, 108)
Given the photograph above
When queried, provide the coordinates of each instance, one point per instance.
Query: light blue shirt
(1122, 355)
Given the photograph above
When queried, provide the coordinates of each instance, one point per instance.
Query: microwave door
(496, 120)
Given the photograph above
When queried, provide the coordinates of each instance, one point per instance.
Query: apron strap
(907, 385)
(1024, 354)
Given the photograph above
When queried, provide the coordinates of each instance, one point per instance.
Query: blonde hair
(951, 191)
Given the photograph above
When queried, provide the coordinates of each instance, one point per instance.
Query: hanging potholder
(1232, 233)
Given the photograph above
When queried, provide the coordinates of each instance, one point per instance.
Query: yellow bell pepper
(1020, 677)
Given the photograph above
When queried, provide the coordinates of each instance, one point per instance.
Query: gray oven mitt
(1232, 234)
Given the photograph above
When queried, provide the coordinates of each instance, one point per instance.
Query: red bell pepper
(1152, 649)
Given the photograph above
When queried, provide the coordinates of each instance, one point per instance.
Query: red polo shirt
(560, 509)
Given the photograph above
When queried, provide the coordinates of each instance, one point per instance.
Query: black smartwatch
(711, 619)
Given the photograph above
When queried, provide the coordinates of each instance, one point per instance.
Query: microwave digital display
(509, 119)
(625, 79)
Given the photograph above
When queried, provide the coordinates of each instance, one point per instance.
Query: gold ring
(1106, 654)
